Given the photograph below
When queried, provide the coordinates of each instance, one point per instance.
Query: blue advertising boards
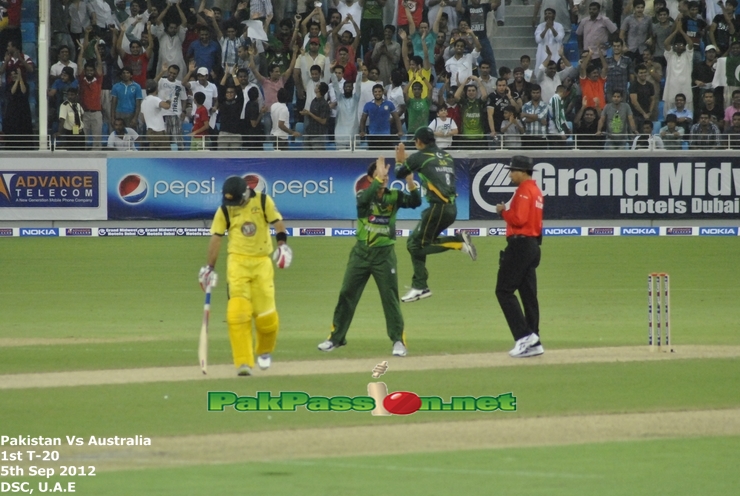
(190, 188)
(66, 188)
(617, 187)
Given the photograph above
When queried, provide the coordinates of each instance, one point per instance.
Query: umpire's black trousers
(517, 273)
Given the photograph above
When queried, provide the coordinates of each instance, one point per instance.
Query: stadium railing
(348, 144)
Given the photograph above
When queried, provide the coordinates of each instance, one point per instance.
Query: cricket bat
(203, 345)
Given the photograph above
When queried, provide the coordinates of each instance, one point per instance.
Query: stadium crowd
(223, 74)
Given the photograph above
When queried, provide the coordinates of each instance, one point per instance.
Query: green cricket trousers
(364, 261)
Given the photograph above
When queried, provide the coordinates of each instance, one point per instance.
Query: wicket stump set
(659, 311)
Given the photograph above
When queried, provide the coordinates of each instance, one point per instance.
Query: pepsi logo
(363, 182)
(133, 188)
(255, 182)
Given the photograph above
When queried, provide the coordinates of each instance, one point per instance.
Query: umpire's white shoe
(468, 246)
(244, 371)
(532, 351)
(264, 361)
(399, 349)
(329, 346)
(416, 294)
(522, 346)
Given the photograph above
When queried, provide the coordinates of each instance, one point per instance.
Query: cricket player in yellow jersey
(246, 215)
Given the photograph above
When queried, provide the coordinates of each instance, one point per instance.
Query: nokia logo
(25, 231)
(343, 232)
(640, 231)
(562, 231)
(718, 231)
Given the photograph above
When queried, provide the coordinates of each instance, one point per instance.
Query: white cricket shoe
(416, 294)
(244, 371)
(532, 351)
(523, 344)
(264, 361)
(399, 349)
(468, 246)
(329, 346)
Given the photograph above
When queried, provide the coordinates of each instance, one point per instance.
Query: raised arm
(227, 74)
(322, 22)
(289, 71)
(253, 66)
(306, 21)
(404, 48)
(604, 65)
(425, 50)
(150, 38)
(162, 72)
(356, 42)
(459, 92)
(189, 74)
(212, 21)
(98, 60)
(476, 42)
(583, 63)
(430, 90)
(412, 24)
(119, 41)
(435, 27)
(265, 24)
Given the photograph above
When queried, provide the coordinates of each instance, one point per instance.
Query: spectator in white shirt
(64, 61)
(151, 109)
(460, 65)
(123, 138)
(281, 121)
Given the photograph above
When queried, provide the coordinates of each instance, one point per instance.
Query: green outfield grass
(676, 467)
(140, 297)
(592, 293)
(540, 391)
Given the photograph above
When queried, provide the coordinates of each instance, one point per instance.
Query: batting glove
(283, 255)
(207, 277)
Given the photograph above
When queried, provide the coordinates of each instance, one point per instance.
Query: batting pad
(267, 325)
(239, 320)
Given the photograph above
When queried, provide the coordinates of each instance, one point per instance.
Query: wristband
(281, 236)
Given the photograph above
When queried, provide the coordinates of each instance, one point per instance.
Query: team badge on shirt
(249, 229)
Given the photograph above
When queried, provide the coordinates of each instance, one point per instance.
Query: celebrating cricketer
(374, 255)
(436, 171)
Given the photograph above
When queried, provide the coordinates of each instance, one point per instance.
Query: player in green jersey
(436, 170)
(374, 254)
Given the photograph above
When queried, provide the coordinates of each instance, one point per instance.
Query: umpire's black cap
(521, 163)
(234, 189)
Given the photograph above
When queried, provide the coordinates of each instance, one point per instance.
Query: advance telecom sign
(615, 188)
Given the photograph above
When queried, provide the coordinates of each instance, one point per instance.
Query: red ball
(402, 403)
